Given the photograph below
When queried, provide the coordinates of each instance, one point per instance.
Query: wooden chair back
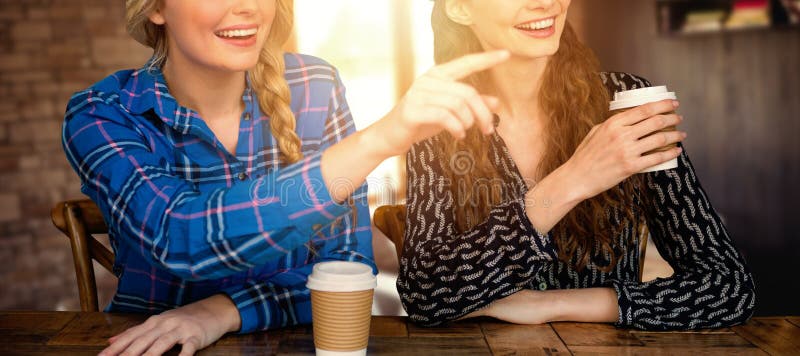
(79, 220)
(644, 233)
(391, 221)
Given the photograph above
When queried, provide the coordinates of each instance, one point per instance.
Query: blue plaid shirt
(188, 219)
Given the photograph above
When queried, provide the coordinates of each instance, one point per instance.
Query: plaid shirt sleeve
(195, 235)
(284, 299)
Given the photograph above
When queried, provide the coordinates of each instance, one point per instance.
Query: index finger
(646, 111)
(121, 341)
(472, 63)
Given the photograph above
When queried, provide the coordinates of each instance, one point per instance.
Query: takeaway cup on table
(341, 307)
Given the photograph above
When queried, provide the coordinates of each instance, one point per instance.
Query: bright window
(369, 42)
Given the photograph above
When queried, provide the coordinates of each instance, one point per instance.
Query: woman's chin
(536, 53)
(238, 66)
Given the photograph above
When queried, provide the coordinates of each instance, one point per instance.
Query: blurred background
(735, 66)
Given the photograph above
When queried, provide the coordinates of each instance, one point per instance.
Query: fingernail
(680, 117)
(675, 103)
(684, 134)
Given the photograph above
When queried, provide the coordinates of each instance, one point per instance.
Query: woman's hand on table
(194, 326)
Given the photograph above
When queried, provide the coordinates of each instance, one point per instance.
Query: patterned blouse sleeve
(445, 275)
(711, 287)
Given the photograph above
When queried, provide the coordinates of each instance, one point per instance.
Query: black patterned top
(445, 275)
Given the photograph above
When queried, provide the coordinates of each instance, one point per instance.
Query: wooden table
(68, 333)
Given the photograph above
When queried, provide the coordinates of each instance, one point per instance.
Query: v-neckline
(506, 155)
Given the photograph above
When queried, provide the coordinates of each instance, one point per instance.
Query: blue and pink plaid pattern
(188, 219)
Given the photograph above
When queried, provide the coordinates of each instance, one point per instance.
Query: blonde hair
(267, 78)
(574, 98)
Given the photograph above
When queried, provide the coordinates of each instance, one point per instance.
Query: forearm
(551, 199)
(345, 165)
(598, 305)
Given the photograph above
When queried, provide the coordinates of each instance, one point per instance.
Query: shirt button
(247, 116)
(242, 176)
(543, 286)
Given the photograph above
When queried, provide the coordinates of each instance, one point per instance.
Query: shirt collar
(147, 91)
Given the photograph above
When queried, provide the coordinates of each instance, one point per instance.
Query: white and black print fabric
(445, 275)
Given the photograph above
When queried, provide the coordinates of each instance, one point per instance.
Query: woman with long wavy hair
(541, 220)
(223, 165)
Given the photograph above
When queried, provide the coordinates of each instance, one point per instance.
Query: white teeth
(538, 25)
(237, 33)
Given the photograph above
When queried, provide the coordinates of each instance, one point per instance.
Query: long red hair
(574, 99)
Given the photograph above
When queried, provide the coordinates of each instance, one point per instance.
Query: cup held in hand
(341, 307)
(626, 100)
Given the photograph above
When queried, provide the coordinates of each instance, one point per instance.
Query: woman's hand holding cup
(438, 102)
(624, 145)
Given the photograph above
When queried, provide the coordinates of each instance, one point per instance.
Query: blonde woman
(226, 168)
(541, 221)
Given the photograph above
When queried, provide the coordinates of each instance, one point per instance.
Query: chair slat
(391, 220)
(78, 220)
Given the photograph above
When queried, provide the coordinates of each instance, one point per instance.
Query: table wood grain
(79, 333)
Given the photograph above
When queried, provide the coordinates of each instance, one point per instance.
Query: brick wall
(48, 50)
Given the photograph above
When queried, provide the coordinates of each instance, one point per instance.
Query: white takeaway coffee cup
(626, 100)
(341, 307)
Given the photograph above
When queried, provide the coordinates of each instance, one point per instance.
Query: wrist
(571, 185)
(560, 190)
(378, 137)
(596, 305)
(225, 311)
(557, 308)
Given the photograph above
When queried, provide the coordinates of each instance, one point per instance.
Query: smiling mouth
(237, 34)
(537, 25)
